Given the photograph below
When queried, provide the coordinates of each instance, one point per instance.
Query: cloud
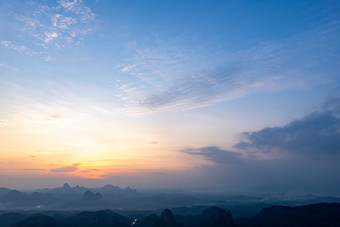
(32, 169)
(316, 134)
(214, 154)
(127, 68)
(309, 151)
(47, 58)
(62, 22)
(19, 48)
(177, 76)
(332, 104)
(66, 169)
(54, 117)
(154, 142)
(16, 47)
(50, 36)
(77, 6)
(5, 66)
(54, 25)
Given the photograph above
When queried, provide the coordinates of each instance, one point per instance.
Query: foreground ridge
(321, 214)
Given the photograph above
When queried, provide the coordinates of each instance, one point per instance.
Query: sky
(234, 96)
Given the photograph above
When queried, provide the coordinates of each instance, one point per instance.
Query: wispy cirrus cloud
(54, 24)
(5, 66)
(178, 77)
(19, 48)
(76, 6)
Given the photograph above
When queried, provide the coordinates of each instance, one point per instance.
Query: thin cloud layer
(15, 47)
(181, 79)
(66, 169)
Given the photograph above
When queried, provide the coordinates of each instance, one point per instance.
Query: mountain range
(125, 199)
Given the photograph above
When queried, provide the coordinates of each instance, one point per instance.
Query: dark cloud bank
(316, 134)
(309, 151)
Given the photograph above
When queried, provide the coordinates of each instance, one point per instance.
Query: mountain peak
(167, 215)
(88, 195)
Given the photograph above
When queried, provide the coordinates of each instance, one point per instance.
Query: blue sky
(119, 91)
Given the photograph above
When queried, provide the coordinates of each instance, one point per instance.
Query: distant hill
(14, 196)
(18, 199)
(67, 197)
(4, 191)
(127, 199)
(107, 189)
(103, 218)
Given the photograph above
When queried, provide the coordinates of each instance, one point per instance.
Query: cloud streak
(66, 169)
(16, 47)
(176, 78)
(214, 154)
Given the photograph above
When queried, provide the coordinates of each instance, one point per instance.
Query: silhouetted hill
(322, 214)
(167, 219)
(150, 221)
(9, 219)
(213, 216)
(38, 220)
(103, 218)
